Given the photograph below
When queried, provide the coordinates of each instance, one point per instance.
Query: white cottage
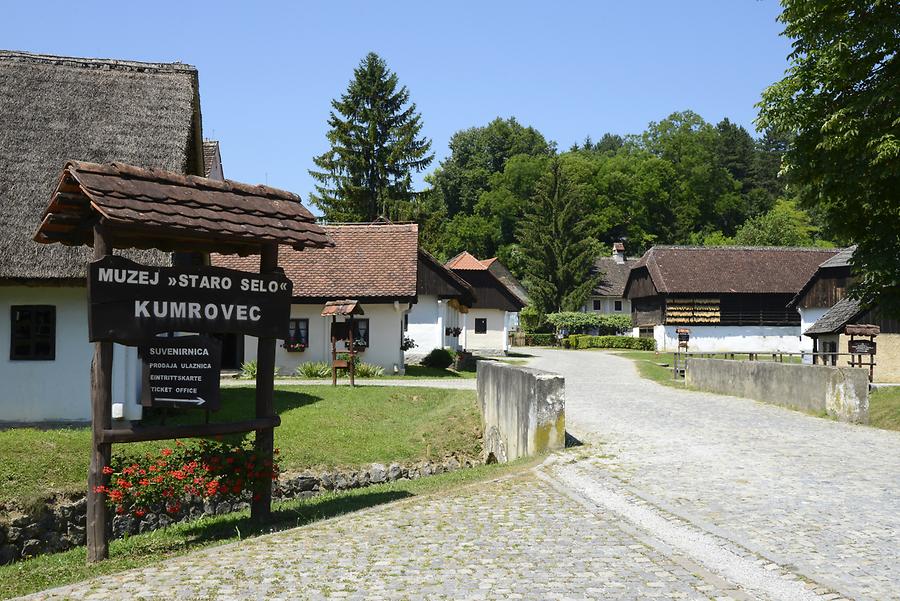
(608, 296)
(52, 109)
(731, 298)
(497, 304)
(377, 265)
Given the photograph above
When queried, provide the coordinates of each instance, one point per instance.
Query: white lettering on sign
(128, 276)
(248, 285)
(209, 282)
(184, 309)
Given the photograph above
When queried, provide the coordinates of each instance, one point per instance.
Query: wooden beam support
(101, 419)
(187, 430)
(261, 506)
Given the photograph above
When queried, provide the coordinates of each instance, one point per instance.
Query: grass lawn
(884, 408)
(48, 571)
(647, 363)
(420, 371)
(321, 427)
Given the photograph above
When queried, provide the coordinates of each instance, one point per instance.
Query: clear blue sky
(269, 70)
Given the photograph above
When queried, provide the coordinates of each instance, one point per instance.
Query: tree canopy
(375, 147)
(840, 103)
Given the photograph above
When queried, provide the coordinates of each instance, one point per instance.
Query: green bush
(531, 320)
(313, 369)
(576, 322)
(439, 358)
(368, 370)
(621, 342)
(539, 340)
(249, 369)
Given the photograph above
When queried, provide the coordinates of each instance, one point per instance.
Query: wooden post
(101, 419)
(352, 348)
(261, 506)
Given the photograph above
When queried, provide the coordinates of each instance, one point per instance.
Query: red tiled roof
(466, 262)
(367, 261)
(731, 269)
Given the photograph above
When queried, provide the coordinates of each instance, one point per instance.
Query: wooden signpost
(121, 206)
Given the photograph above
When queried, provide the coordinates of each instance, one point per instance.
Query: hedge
(623, 342)
(576, 322)
(539, 340)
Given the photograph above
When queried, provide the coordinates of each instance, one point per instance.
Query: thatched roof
(57, 108)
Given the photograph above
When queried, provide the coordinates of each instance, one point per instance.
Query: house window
(361, 332)
(617, 305)
(299, 331)
(481, 325)
(598, 305)
(32, 333)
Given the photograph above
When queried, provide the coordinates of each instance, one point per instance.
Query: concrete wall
(841, 392)
(523, 410)
(60, 389)
(737, 339)
(495, 340)
(385, 330)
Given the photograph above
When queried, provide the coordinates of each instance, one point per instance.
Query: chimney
(619, 252)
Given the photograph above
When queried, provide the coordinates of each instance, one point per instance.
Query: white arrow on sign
(197, 401)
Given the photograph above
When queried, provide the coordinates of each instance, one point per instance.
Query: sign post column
(261, 506)
(101, 419)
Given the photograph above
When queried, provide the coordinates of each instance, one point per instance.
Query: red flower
(120, 510)
(166, 452)
(144, 482)
(107, 470)
(139, 513)
(100, 489)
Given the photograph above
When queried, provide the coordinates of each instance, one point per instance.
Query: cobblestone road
(680, 496)
(814, 494)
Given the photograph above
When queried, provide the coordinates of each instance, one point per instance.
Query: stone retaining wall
(841, 392)
(523, 409)
(60, 526)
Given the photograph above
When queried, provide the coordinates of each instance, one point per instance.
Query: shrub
(576, 322)
(531, 320)
(368, 370)
(202, 468)
(439, 358)
(539, 340)
(620, 342)
(314, 369)
(250, 368)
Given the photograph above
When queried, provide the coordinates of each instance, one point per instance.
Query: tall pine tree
(375, 148)
(557, 243)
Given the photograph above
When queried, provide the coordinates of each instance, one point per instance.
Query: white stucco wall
(425, 324)
(807, 318)
(60, 389)
(497, 326)
(607, 305)
(385, 330)
(736, 339)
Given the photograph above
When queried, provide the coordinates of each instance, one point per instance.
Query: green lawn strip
(884, 408)
(48, 571)
(648, 366)
(322, 426)
(420, 371)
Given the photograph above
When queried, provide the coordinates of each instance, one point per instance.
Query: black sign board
(130, 303)
(182, 372)
(861, 347)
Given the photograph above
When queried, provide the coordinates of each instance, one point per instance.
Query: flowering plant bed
(294, 347)
(198, 469)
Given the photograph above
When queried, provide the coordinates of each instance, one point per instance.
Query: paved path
(819, 496)
(679, 495)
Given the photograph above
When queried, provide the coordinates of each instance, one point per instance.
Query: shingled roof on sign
(55, 108)
(368, 262)
(149, 208)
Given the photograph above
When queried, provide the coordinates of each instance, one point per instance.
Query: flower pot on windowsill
(294, 348)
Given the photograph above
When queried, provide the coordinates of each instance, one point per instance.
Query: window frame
(598, 304)
(13, 339)
(618, 306)
(295, 329)
(358, 339)
(482, 320)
